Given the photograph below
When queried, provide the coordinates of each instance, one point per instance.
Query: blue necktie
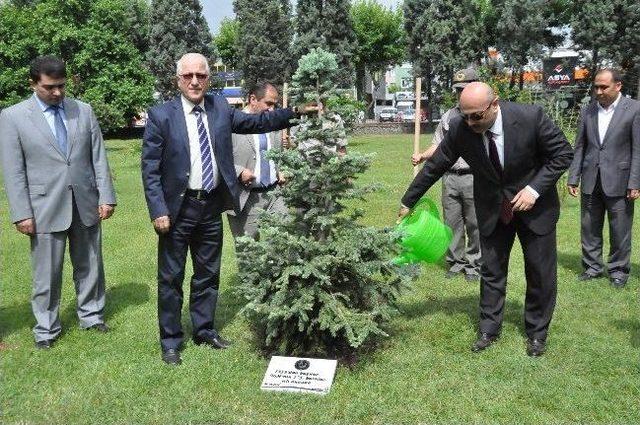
(61, 130)
(265, 167)
(208, 172)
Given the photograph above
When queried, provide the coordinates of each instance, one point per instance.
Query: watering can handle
(426, 204)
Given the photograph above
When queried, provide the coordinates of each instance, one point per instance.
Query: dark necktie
(208, 172)
(506, 212)
(265, 167)
(61, 129)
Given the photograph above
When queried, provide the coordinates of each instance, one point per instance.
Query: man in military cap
(463, 255)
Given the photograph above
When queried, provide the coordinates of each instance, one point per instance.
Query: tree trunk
(512, 82)
(594, 66)
(521, 76)
(360, 82)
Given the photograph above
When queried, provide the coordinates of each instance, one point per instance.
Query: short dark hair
(615, 74)
(259, 89)
(51, 66)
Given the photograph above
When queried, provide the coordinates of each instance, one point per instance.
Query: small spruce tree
(318, 282)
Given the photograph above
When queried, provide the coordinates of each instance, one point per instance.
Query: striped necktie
(209, 168)
(61, 129)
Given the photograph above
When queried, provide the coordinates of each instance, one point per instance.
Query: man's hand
(416, 159)
(633, 194)
(105, 211)
(247, 177)
(162, 224)
(573, 190)
(523, 201)
(26, 227)
(402, 213)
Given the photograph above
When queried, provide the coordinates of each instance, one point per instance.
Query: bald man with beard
(516, 154)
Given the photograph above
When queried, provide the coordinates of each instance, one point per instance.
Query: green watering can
(425, 237)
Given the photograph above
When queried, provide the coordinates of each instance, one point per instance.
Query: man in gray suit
(257, 174)
(59, 187)
(607, 166)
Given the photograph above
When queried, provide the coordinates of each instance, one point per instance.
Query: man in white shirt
(257, 174)
(607, 167)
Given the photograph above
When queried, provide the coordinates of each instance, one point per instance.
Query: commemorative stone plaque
(295, 374)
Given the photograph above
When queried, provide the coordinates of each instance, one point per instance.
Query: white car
(388, 114)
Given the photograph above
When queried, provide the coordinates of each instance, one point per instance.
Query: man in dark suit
(189, 179)
(516, 155)
(607, 159)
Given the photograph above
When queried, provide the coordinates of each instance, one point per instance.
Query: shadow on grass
(633, 326)
(118, 298)
(513, 310)
(14, 318)
(573, 262)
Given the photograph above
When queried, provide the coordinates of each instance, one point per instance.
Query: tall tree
(264, 40)
(443, 35)
(524, 31)
(327, 24)
(177, 27)
(226, 42)
(94, 38)
(380, 35)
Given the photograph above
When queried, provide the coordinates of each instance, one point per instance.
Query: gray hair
(187, 56)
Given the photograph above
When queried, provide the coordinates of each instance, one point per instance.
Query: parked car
(409, 115)
(388, 114)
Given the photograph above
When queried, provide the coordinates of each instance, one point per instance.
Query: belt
(460, 172)
(264, 189)
(199, 194)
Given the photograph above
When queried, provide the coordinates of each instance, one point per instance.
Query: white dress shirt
(498, 138)
(604, 117)
(50, 116)
(195, 174)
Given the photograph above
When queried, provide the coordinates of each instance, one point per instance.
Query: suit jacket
(245, 156)
(536, 153)
(617, 158)
(40, 180)
(166, 158)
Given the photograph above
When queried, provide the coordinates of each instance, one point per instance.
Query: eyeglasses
(189, 77)
(476, 116)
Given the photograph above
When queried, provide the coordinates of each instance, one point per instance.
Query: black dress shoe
(584, 276)
(99, 327)
(44, 345)
(618, 282)
(450, 274)
(483, 342)
(216, 342)
(171, 356)
(536, 347)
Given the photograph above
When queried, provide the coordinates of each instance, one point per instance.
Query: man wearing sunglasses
(463, 255)
(516, 154)
(189, 180)
(257, 174)
(59, 188)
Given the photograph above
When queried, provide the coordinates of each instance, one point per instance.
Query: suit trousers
(246, 223)
(198, 229)
(47, 259)
(540, 265)
(620, 215)
(463, 255)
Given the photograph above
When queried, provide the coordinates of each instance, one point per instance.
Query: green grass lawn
(424, 373)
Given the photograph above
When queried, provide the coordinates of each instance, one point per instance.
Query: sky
(215, 10)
